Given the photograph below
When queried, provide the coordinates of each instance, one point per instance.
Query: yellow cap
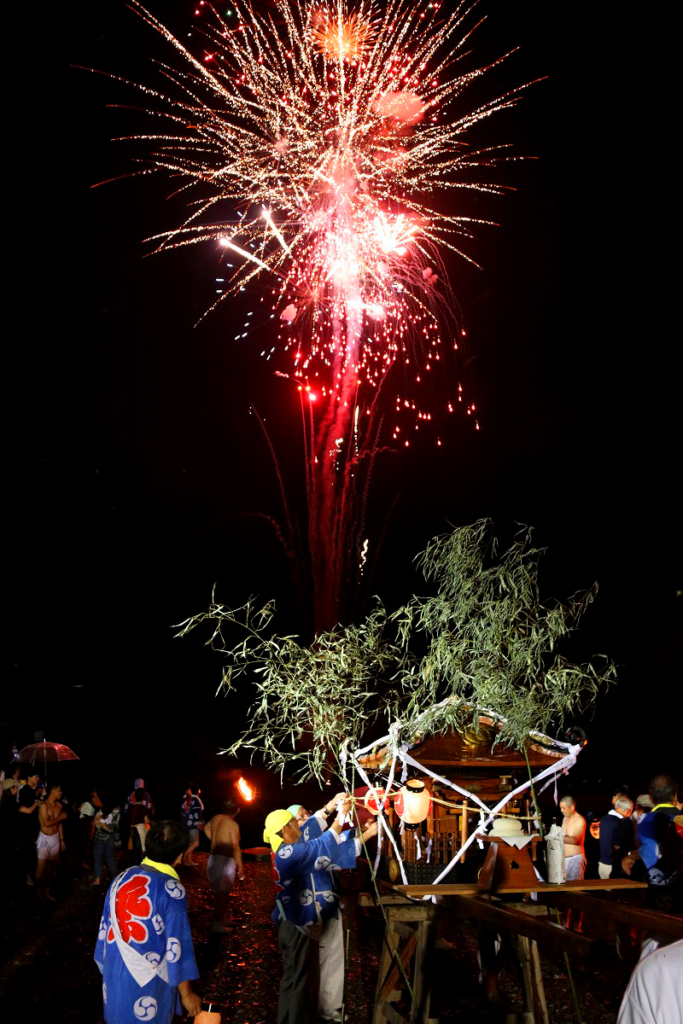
(274, 822)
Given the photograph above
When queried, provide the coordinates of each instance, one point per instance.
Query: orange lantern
(413, 803)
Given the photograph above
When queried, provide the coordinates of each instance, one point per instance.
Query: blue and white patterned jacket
(304, 883)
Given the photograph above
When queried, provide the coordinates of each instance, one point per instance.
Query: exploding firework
(315, 146)
(330, 131)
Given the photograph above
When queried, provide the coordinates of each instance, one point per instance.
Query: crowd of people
(144, 946)
(641, 838)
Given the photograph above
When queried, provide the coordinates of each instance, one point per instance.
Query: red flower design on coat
(133, 905)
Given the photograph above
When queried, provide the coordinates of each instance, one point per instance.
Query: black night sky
(135, 464)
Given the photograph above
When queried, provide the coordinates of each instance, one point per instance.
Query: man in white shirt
(655, 993)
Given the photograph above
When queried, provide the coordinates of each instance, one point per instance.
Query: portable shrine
(431, 821)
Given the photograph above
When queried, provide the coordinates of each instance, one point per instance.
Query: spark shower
(324, 147)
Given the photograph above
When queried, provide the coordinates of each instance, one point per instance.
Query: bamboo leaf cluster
(307, 700)
(481, 642)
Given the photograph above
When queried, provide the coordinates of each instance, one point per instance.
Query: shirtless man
(225, 857)
(574, 829)
(50, 840)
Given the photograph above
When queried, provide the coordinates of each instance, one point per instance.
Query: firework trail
(332, 132)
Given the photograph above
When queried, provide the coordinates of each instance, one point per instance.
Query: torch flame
(245, 790)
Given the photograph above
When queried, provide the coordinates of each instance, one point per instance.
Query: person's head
(567, 806)
(10, 788)
(662, 789)
(290, 831)
(166, 842)
(619, 791)
(53, 792)
(623, 805)
(643, 804)
(299, 812)
(280, 827)
(193, 789)
(230, 807)
(107, 805)
(33, 779)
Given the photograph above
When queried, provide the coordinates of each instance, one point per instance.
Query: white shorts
(576, 867)
(220, 872)
(48, 846)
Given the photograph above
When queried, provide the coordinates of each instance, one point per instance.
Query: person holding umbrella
(28, 827)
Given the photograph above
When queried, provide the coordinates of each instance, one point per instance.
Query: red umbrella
(40, 753)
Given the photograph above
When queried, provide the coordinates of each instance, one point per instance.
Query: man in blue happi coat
(331, 941)
(306, 900)
(144, 947)
(660, 848)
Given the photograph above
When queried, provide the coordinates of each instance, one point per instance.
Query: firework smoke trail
(331, 132)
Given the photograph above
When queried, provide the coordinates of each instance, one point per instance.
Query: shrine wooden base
(506, 866)
(508, 933)
(406, 941)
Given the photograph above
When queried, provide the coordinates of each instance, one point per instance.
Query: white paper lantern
(413, 803)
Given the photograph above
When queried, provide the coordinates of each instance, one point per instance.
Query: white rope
(566, 762)
(400, 751)
(383, 825)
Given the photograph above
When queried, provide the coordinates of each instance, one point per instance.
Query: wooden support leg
(421, 992)
(386, 962)
(404, 949)
(534, 993)
(522, 954)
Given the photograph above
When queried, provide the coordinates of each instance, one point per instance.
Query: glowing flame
(245, 790)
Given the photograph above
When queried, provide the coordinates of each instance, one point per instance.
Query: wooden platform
(417, 892)
(509, 933)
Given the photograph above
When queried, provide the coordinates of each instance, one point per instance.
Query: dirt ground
(47, 970)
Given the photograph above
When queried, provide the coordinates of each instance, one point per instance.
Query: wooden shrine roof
(452, 750)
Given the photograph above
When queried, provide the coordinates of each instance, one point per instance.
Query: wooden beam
(467, 888)
(368, 899)
(405, 956)
(392, 1015)
(458, 889)
(534, 992)
(507, 917)
(625, 913)
(421, 992)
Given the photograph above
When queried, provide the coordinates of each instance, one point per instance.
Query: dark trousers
(298, 1001)
(104, 852)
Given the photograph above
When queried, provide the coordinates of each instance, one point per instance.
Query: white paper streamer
(382, 823)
